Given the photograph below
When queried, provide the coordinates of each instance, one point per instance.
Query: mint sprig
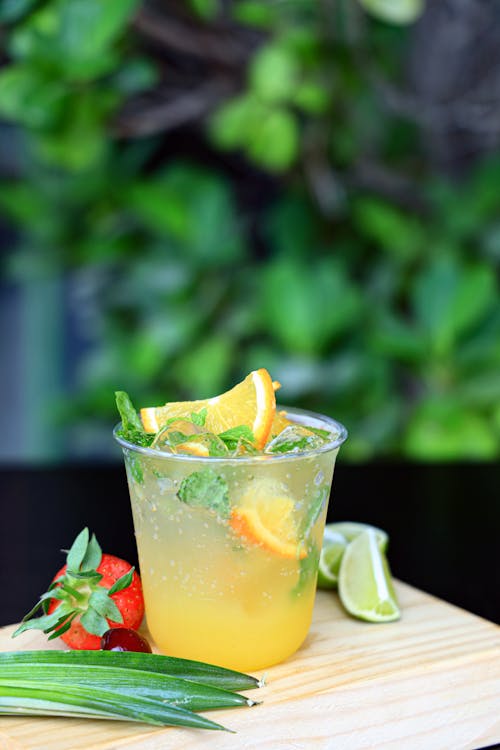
(237, 436)
(131, 430)
(206, 489)
(199, 418)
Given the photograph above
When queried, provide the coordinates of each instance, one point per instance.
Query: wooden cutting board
(428, 682)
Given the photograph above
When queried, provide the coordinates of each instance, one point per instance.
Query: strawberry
(90, 594)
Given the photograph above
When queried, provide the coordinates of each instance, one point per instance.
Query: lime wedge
(351, 529)
(334, 545)
(365, 585)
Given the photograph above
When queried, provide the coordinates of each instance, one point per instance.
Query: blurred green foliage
(382, 313)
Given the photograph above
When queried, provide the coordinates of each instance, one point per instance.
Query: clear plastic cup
(234, 585)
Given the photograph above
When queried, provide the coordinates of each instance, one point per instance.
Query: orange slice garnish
(251, 402)
(264, 517)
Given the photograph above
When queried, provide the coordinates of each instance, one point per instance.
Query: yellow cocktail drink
(229, 546)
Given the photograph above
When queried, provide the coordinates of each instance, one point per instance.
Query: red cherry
(124, 639)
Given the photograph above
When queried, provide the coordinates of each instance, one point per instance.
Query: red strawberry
(90, 594)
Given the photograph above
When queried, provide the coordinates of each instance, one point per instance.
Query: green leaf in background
(450, 299)
(76, 37)
(137, 74)
(392, 230)
(274, 73)
(275, 142)
(206, 9)
(445, 430)
(30, 96)
(394, 337)
(23, 204)
(317, 234)
(291, 226)
(258, 13)
(194, 208)
(204, 370)
(268, 133)
(394, 11)
(233, 122)
(13, 10)
(311, 97)
(307, 305)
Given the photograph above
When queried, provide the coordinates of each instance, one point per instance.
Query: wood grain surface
(428, 682)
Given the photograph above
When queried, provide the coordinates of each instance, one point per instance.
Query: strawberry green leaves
(82, 550)
(78, 593)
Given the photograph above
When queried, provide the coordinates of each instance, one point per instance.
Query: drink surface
(233, 583)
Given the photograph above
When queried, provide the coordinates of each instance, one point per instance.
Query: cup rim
(340, 437)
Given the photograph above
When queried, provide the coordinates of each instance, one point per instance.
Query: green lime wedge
(333, 548)
(351, 529)
(365, 584)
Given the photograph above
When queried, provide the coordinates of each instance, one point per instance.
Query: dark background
(442, 523)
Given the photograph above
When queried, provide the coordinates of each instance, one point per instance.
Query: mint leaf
(206, 489)
(143, 439)
(216, 447)
(176, 437)
(314, 511)
(135, 466)
(318, 431)
(308, 567)
(291, 446)
(199, 418)
(131, 429)
(295, 438)
(130, 418)
(235, 435)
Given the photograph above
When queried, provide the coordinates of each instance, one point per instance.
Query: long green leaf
(127, 682)
(103, 704)
(206, 674)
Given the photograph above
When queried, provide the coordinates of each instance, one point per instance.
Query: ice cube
(202, 444)
(174, 433)
(294, 439)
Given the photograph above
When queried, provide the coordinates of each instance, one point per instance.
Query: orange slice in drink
(280, 421)
(192, 448)
(264, 517)
(251, 403)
